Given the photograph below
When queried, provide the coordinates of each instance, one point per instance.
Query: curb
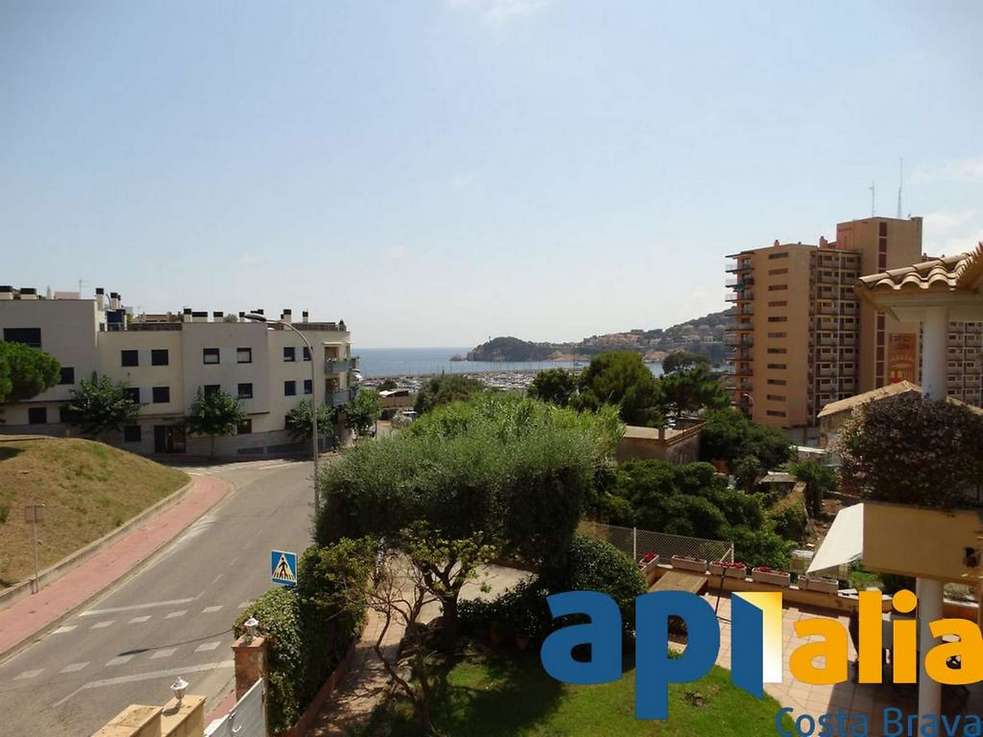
(29, 640)
(55, 571)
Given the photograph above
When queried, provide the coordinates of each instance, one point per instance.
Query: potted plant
(689, 563)
(737, 569)
(822, 584)
(764, 574)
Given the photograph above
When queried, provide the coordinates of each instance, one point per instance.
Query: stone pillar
(934, 340)
(929, 609)
(250, 663)
(133, 721)
(186, 719)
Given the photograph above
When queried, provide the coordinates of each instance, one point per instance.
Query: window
(777, 350)
(775, 397)
(783, 254)
(882, 229)
(210, 355)
(289, 353)
(775, 413)
(777, 287)
(132, 434)
(777, 335)
(774, 272)
(307, 353)
(777, 382)
(289, 388)
(245, 391)
(27, 336)
(129, 358)
(777, 319)
(780, 303)
(308, 386)
(245, 426)
(162, 394)
(67, 375)
(777, 366)
(37, 415)
(132, 393)
(159, 357)
(210, 389)
(244, 355)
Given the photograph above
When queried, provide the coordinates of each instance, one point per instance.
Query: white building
(165, 359)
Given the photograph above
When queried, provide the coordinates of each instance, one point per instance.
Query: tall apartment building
(801, 338)
(164, 360)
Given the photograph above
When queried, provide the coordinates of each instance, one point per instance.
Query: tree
(445, 389)
(691, 390)
(362, 412)
(729, 436)
(621, 378)
(25, 372)
(99, 406)
(682, 360)
(912, 450)
(554, 385)
(300, 421)
(214, 414)
(818, 479)
(747, 472)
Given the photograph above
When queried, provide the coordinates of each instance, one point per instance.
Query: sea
(379, 362)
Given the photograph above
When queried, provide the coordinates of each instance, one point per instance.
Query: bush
(445, 389)
(818, 479)
(728, 435)
(760, 547)
(309, 629)
(791, 522)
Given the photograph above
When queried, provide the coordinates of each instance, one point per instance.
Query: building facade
(165, 359)
(800, 338)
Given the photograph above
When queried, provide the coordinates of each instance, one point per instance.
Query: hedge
(310, 628)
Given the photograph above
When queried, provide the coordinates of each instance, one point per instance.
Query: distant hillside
(704, 335)
(87, 488)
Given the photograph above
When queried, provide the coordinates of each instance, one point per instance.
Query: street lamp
(314, 406)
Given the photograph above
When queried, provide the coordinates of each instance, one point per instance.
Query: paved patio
(849, 696)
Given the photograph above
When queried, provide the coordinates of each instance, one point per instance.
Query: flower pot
(821, 584)
(688, 563)
(649, 570)
(729, 570)
(763, 574)
(648, 559)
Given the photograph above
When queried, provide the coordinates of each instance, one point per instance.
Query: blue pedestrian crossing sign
(283, 568)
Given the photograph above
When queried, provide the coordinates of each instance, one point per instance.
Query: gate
(246, 719)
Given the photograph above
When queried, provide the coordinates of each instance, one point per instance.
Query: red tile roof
(950, 273)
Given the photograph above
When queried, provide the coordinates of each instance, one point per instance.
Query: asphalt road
(172, 618)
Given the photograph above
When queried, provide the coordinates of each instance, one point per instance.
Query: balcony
(848, 308)
(826, 339)
(735, 265)
(340, 365)
(826, 307)
(827, 371)
(339, 397)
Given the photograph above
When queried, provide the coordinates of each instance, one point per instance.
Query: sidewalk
(31, 616)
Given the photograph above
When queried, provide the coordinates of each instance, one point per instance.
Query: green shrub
(791, 522)
(309, 629)
(760, 547)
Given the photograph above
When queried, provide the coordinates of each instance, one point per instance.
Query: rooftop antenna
(81, 284)
(872, 200)
(900, 184)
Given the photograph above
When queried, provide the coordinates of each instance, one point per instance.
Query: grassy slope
(511, 696)
(89, 489)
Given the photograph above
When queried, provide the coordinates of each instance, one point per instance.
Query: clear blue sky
(438, 171)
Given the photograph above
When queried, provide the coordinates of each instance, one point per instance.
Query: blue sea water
(376, 362)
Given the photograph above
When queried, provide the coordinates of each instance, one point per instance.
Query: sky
(436, 172)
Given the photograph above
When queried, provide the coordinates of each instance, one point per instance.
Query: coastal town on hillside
(310, 425)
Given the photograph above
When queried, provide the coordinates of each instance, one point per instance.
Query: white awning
(844, 542)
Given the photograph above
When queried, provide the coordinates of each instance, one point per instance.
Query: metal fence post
(634, 544)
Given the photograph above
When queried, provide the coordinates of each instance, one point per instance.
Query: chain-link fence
(636, 543)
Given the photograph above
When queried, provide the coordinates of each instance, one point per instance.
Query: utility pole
(872, 200)
(900, 184)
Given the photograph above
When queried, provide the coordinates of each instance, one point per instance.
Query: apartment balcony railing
(734, 265)
(828, 371)
(847, 308)
(826, 340)
(339, 397)
(826, 308)
(340, 365)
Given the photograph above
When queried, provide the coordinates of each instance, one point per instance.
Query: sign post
(283, 568)
(33, 514)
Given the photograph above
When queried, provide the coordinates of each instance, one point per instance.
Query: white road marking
(102, 625)
(178, 613)
(29, 674)
(207, 646)
(74, 667)
(213, 609)
(164, 652)
(139, 620)
(215, 580)
(151, 605)
(243, 604)
(64, 629)
(119, 660)
(171, 672)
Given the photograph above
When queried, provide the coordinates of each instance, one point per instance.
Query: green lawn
(511, 696)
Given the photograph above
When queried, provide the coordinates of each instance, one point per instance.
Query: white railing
(636, 543)
(246, 719)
